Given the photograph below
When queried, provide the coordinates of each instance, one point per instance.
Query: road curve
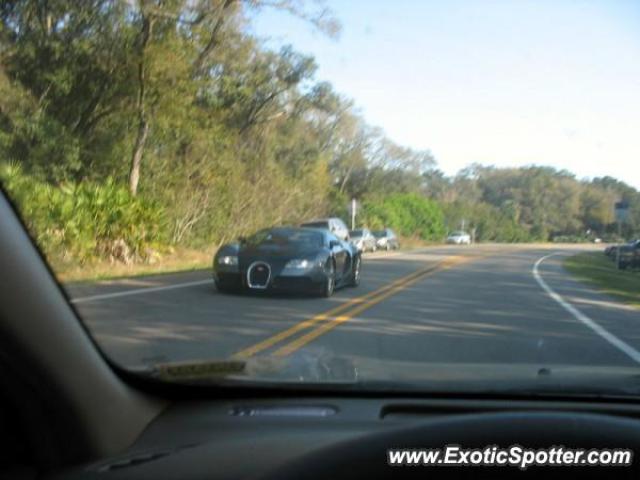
(473, 305)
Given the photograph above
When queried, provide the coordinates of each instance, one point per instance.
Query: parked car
(386, 239)
(289, 259)
(334, 225)
(630, 255)
(363, 239)
(459, 238)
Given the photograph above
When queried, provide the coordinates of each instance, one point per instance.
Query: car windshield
(165, 156)
(285, 237)
(324, 225)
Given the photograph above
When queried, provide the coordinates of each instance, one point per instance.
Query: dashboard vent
(284, 411)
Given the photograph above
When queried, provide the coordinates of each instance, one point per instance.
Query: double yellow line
(330, 319)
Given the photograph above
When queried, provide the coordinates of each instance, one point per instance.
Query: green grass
(182, 260)
(598, 270)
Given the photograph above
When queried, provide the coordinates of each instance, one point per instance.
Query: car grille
(258, 275)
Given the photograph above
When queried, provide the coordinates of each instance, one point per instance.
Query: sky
(497, 82)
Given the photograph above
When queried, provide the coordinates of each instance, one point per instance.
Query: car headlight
(229, 260)
(298, 264)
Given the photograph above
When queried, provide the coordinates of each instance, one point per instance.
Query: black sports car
(288, 259)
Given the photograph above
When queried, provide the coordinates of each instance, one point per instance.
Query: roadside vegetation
(132, 129)
(596, 269)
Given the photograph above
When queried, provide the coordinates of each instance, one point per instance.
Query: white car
(459, 238)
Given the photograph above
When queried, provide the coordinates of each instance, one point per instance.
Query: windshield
(286, 237)
(323, 225)
(164, 154)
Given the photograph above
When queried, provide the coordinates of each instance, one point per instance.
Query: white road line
(609, 337)
(137, 291)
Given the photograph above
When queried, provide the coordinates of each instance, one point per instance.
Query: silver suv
(333, 224)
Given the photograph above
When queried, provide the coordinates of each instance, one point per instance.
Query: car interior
(67, 412)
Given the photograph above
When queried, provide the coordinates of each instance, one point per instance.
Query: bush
(410, 214)
(570, 239)
(490, 223)
(84, 221)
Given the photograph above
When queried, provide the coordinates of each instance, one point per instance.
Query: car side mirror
(334, 243)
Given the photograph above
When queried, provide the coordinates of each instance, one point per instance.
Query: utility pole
(619, 246)
(621, 210)
(353, 213)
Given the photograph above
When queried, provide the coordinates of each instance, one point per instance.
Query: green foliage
(410, 214)
(531, 203)
(86, 220)
(238, 137)
(490, 224)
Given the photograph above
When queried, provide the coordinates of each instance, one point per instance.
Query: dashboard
(244, 438)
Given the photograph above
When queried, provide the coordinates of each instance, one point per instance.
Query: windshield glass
(285, 237)
(323, 225)
(164, 154)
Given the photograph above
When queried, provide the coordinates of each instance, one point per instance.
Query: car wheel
(355, 272)
(330, 282)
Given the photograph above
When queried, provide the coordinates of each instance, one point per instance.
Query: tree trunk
(143, 123)
(136, 158)
(213, 37)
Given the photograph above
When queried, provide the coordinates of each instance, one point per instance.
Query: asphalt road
(473, 305)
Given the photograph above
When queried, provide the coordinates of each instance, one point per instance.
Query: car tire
(330, 283)
(354, 281)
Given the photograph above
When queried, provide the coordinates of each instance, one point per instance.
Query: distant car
(386, 239)
(287, 259)
(333, 224)
(630, 255)
(459, 238)
(363, 239)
